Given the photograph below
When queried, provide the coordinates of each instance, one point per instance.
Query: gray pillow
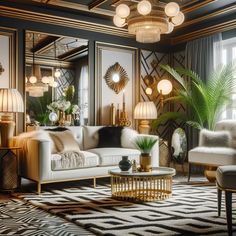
(214, 138)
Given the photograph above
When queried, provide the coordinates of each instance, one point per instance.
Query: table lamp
(145, 111)
(10, 102)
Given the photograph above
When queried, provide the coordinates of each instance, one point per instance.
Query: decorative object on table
(125, 163)
(112, 115)
(145, 111)
(10, 102)
(9, 168)
(149, 186)
(145, 145)
(64, 107)
(116, 77)
(53, 117)
(124, 119)
(148, 19)
(1, 69)
(164, 157)
(179, 146)
(134, 166)
(164, 87)
(203, 113)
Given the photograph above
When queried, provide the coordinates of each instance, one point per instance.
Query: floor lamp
(145, 111)
(10, 102)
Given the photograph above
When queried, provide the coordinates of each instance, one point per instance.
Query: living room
(117, 117)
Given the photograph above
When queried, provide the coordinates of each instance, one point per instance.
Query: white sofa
(37, 160)
(218, 155)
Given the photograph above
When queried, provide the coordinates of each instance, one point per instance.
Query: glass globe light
(53, 116)
(122, 10)
(116, 78)
(119, 22)
(53, 84)
(164, 86)
(32, 79)
(148, 91)
(171, 9)
(50, 79)
(179, 19)
(170, 28)
(45, 80)
(57, 73)
(144, 7)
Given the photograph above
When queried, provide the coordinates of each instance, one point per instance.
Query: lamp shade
(145, 111)
(11, 101)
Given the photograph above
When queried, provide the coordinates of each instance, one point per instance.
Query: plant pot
(145, 162)
(125, 163)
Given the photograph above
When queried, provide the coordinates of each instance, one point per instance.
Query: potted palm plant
(145, 145)
(204, 100)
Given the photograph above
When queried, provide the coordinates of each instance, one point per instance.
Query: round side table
(9, 174)
(142, 186)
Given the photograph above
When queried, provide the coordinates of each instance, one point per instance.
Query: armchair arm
(155, 149)
(36, 163)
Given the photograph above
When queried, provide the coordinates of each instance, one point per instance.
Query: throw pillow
(109, 137)
(65, 141)
(128, 136)
(214, 138)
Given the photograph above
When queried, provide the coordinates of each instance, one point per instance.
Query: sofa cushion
(225, 176)
(210, 138)
(127, 138)
(65, 141)
(109, 137)
(90, 138)
(213, 155)
(112, 156)
(60, 163)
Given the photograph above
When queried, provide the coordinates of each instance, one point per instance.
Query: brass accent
(62, 21)
(39, 187)
(210, 173)
(145, 188)
(145, 162)
(124, 120)
(123, 77)
(95, 4)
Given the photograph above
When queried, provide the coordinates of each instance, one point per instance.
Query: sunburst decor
(116, 77)
(1, 69)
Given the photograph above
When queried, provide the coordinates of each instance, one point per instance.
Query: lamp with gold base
(10, 102)
(145, 111)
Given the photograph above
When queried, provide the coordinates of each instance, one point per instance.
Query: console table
(142, 186)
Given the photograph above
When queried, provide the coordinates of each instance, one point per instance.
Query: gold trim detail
(62, 21)
(197, 6)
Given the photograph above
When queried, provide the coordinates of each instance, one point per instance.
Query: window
(229, 54)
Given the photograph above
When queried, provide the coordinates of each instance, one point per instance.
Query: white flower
(75, 109)
(53, 106)
(63, 105)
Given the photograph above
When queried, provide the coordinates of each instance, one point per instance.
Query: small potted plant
(145, 145)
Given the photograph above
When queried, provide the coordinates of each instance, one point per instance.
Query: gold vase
(145, 162)
(69, 119)
(62, 118)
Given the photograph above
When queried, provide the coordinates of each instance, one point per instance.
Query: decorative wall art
(116, 78)
(116, 63)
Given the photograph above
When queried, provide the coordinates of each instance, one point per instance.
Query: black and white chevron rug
(192, 210)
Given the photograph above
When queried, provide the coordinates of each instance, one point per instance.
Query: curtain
(201, 56)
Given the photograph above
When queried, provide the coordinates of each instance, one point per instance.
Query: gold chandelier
(148, 21)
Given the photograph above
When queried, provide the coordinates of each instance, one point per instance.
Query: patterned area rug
(23, 219)
(192, 210)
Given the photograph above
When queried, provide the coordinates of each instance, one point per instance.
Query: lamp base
(144, 127)
(7, 126)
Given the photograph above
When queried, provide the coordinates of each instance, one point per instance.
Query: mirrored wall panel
(56, 74)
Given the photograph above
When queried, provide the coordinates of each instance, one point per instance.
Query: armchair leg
(94, 183)
(228, 205)
(39, 187)
(219, 197)
(189, 171)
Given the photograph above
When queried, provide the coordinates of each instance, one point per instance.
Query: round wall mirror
(179, 146)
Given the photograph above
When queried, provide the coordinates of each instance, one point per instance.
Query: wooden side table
(9, 169)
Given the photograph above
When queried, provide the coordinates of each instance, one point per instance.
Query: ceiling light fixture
(148, 21)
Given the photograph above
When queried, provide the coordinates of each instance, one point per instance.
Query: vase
(125, 163)
(68, 119)
(61, 118)
(145, 162)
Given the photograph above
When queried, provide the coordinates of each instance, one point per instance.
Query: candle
(123, 96)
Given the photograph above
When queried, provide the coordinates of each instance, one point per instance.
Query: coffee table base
(141, 189)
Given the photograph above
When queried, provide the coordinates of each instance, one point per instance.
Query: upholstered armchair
(215, 148)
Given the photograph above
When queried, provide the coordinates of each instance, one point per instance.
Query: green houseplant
(204, 100)
(145, 145)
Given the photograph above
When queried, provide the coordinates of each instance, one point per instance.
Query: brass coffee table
(142, 186)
